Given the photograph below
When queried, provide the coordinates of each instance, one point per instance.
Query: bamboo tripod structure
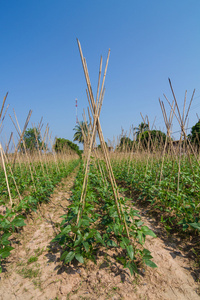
(95, 107)
(182, 122)
(2, 154)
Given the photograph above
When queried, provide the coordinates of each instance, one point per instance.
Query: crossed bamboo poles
(3, 155)
(95, 107)
(182, 122)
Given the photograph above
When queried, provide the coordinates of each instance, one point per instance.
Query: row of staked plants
(175, 194)
(99, 227)
(33, 189)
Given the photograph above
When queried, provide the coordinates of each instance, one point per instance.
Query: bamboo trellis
(95, 107)
(182, 122)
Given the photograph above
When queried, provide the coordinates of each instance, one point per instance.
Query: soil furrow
(34, 270)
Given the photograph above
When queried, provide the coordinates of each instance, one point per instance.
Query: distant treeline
(61, 145)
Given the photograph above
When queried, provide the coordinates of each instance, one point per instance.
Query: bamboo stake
(20, 198)
(54, 154)
(2, 107)
(7, 148)
(17, 156)
(24, 145)
(4, 168)
(96, 120)
(36, 137)
(21, 134)
(96, 155)
(4, 115)
(168, 124)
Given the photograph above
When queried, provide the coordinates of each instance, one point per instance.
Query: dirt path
(173, 278)
(34, 271)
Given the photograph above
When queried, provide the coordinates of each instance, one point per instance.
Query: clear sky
(150, 41)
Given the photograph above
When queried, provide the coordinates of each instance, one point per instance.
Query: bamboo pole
(20, 198)
(4, 168)
(4, 115)
(96, 121)
(2, 107)
(21, 135)
(24, 145)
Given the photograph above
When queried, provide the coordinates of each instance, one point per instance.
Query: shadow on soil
(104, 261)
(189, 245)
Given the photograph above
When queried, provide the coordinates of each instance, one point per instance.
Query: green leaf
(78, 241)
(134, 213)
(139, 223)
(147, 231)
(99, 238)
(130, 251)
(134, 267)
(146, 254)
(78, 249)
(89, 235)
(111, 243)
(5, 252)
(7, 248)
(140, 237)
(64, 255)
(66, 230)
(69, 256)
(116, 229)
(150, 263)
(195, 225)
(74, 229)
(79, 257)
(18, 222)
(122, 260)
(130, 267)
(122, 245)
(125, 240)
(4, 238)
(86, 246)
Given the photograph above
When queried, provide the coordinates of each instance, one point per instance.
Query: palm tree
(140, 129)
(81, 132)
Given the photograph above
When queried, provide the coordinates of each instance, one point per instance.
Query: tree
(62, 145)
(32, 140)
(142, 127)
(152, 138)
(195, 134)
(125, 143)
(81, 132)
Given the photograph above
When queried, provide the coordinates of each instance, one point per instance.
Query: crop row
(33, 188)
(175, 194)
(99, 227)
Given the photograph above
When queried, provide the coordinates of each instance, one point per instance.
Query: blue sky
(150, 41)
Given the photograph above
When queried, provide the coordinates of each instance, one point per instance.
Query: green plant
(32, 140)
(180, 212)
(36, 189)
(81, 132)
(100, 226)
(32, 259)
(62, 145)
(39, 251)
(29, 273)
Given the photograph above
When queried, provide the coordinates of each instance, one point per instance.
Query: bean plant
(180, 209)
(100, 227)
(33, 191)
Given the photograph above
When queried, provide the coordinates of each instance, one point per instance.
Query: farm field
(40, 267)
(175, 197)
(118, 222)
(99, 150)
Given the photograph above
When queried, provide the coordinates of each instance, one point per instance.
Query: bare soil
(34, 270)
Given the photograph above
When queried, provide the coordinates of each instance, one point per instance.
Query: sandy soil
(34, 271)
